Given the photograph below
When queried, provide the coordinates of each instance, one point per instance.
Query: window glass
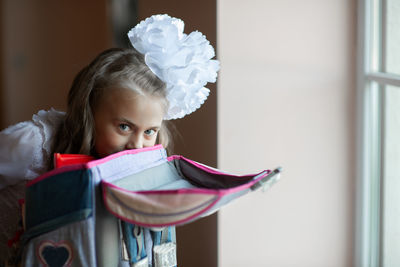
(374, 43)
(392, 24)
(391, 182)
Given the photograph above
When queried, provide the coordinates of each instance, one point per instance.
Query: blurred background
(286, 96)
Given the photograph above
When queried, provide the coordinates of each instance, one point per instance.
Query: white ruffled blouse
(25, 148)
(25, 151)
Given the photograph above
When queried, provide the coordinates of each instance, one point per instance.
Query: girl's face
(126, 120)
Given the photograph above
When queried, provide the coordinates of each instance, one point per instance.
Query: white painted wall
(286, 96)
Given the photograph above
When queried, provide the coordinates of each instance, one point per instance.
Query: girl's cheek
(153, 142)
(111, 143)
(118, 142)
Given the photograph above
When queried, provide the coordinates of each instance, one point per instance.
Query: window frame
(371, 81)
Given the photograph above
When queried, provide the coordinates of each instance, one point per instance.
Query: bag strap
(162, 236)
(134, 240)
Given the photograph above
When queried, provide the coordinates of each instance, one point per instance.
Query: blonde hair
(112, 68)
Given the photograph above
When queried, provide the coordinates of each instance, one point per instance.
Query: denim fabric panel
(70, 245)
(56, 223)
(57, 196)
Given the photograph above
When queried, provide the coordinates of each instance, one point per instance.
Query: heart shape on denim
(55, 254)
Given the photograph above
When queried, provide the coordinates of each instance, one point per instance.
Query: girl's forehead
(120, 92)
(123, 103)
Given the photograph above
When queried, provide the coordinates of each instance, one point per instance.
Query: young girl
(120, 101)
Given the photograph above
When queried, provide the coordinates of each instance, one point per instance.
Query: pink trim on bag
(179, 157)
(164, 191)
(182, 221)
(206, 168)
(113, 194)
(61, 244)
(90, 164)
(249, 184)
(121, 153)
(219, 193)
(55, 172)
(179, 222)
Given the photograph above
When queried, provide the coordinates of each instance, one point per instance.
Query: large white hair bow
(182, 61)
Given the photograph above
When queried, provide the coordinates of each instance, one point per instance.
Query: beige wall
(286, 97)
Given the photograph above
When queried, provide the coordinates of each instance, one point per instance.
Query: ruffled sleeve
(25, 148)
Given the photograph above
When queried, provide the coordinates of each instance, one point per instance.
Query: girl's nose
(135, 142)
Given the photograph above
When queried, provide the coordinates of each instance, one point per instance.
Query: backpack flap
(174, 192)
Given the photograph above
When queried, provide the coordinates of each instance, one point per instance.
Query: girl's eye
(149, 132)
(124, 127)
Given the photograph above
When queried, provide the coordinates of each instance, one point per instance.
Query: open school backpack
(121, 210)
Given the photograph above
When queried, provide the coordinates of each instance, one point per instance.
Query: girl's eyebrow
(155, 127)
(126, 121)
(134, 125)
